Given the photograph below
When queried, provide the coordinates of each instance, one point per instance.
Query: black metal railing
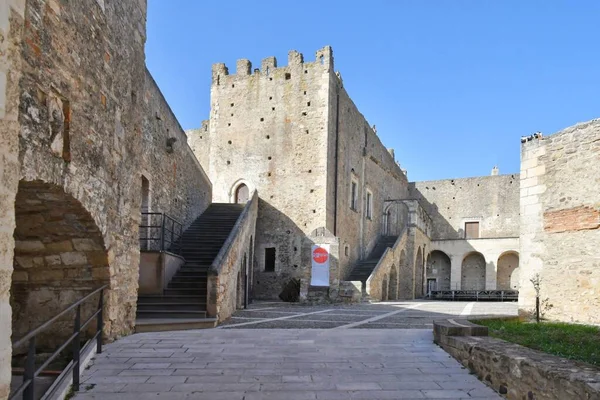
(27, 388)
(477, 295)
(159, 232)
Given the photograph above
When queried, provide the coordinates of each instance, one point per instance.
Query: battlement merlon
(323, 56)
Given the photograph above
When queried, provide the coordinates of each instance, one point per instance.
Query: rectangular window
(353, 196)
(471, 230)
(369, 205)
(270, 259)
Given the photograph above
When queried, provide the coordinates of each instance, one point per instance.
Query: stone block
(86, 245)
(59, 247)
(20, 276)
(53, 260)
(29, 246)
(73, 258)
(24, 262)
(47, 276)
(537, 171)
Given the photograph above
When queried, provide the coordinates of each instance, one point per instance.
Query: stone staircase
(362, 270)
(182, 305)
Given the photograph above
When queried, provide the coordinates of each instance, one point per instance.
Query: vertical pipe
(30, 371)
(100, 323)
(335, 185)
(76, 349)
(162, 232)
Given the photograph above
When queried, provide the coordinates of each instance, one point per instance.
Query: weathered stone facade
(560, 223)
(178, 184)
(230, 277)
(489, 203)
(11, 25)
(79, 121)
(294, 134)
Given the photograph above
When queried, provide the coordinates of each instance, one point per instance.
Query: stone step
(186, 285)
(159, 298)
(157, 313)
(184, 291)
(173, 324)
(171, 307)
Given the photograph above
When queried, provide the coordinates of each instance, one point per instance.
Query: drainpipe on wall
(362, 208)
(335, 186)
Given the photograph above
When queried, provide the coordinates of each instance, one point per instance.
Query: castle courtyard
(283, 234)
(279, 351)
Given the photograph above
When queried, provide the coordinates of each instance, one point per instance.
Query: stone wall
(294, 134)
(179, 186)
(11, 27)
(560, 222)
(229, 276)
(493, 201)
(74, 92)
(393, 261)
(79, 116)
(268, 130)
(59, 258)
(514, 371)
(361, 157)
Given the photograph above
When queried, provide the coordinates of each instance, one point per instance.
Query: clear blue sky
(451, 85)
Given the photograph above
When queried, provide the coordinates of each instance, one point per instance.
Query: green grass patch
(576, 342)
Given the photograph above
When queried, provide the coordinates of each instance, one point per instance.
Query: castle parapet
(323, 57)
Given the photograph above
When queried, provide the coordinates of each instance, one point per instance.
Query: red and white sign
(320, 265)
(320, 255)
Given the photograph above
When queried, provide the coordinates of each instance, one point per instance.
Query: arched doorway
(384, 288)
(393, 285)
(438, 271)
(59, 258)
(507, 275)
(473, 272)
(242, 194)
(419, 273)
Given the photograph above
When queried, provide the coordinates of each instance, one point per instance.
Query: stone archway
(507, 275)
(419, 273)
(59, 257)
(473, 272)
(438, 269)
(393, 284)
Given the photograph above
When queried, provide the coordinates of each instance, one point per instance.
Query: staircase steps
(182, 305)
(363, 269)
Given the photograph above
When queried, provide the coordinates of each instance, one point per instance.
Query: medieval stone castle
(101, 186)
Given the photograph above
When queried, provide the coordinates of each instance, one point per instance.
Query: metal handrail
(169, 232)
(27, 388)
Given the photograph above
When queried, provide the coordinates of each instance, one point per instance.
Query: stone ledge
(515, 371)
(456, 327)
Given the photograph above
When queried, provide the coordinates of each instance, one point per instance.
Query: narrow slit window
(270, 259)
(353, 195)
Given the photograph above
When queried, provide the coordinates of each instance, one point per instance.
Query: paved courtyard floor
(284, 352)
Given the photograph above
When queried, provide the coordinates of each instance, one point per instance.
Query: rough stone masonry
(87, 142)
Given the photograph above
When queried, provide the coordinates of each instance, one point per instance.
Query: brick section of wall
(572, 219)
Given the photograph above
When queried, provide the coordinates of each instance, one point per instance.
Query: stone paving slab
(279, 364)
